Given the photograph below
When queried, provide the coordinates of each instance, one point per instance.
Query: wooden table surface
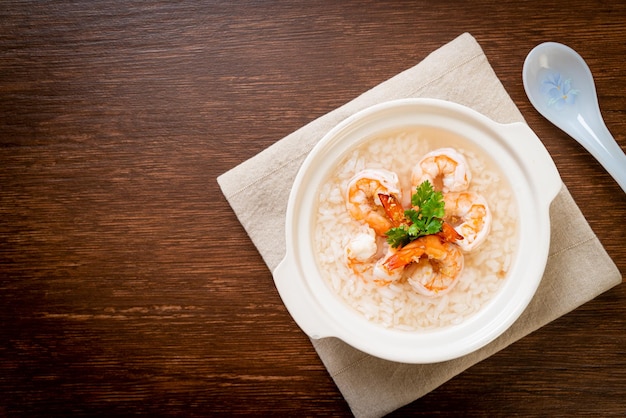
(127, 285)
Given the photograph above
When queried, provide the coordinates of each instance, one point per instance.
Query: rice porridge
(397, 305)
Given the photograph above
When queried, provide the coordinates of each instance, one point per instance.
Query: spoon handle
(601, 144)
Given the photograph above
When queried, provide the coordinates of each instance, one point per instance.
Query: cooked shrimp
(433, 265)
(469, 215)
(362, 198)
(360, 252)
(384, 276)
(445, 168)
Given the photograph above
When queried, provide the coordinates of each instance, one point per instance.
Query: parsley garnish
(424, 219)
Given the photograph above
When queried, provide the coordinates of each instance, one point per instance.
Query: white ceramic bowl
(321, 313)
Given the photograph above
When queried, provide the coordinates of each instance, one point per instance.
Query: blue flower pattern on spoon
(559, 91)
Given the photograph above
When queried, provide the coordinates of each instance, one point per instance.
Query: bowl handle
(298, 299)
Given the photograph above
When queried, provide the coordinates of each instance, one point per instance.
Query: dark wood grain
(127, 285)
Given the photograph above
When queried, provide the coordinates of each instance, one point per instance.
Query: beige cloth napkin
(578, 267)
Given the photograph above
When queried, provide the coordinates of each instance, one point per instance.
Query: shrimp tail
(448, 233)
(405, 255)
(393, 209)
(396, 261)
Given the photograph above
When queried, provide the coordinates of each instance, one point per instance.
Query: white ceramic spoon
(560, 86)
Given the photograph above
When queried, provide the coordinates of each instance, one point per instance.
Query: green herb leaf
(429, 202)
(398, 236)
(426, 219)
